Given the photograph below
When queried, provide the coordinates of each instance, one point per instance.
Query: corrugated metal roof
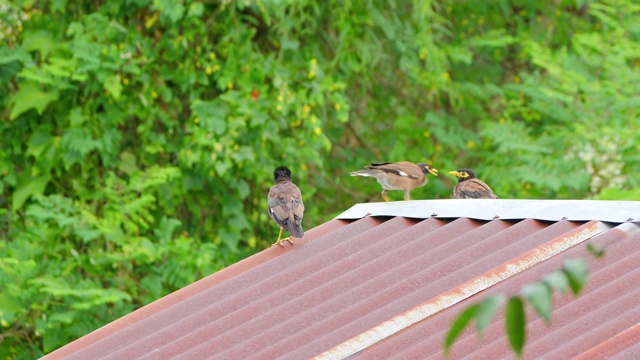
(390, 286)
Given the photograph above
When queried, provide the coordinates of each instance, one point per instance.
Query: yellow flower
(438, 148)
(125, 81)
(279, 107)
(301, 143)
(312, 74)
(447, 76)
(198, 49)
(317, 131)
(314, 119)
(230, 85)
(211, 173)
(303, 167)
(5, 323)
(306, 108)
(196, 120)
(189, 151)
(198, 65)
(470, 144)
(337, 106)
(427, 134)
(280, 98)
(314, 62)
(208, 70)
(212, 56)
(216, 67)
(154, 94)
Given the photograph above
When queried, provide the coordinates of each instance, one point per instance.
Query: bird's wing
(285, 200)
(403, 168)
(473, 189)
(278, 209)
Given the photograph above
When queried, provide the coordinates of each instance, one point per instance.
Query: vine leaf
(539, 296)
(515, 321)
(458, 326)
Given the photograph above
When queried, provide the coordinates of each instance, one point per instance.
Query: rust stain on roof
(389, 287)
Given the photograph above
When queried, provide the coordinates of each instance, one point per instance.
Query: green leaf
(34, 186)
(196, 9)
(127, 163)
(58, 6)
(288, 44)
(39, 142)
(41, 41)
(212, 115)
(539, 296)
(63, 317)
(113, 86)
(515, 321)
(31, 96)
(595, 250)
(557, 280)
(8, 55)
(8, 303)
(458, 326)
(486, 310)
(577, 273)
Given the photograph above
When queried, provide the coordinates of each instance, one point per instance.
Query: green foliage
(515, 319)
(139, 137)
(539, 295)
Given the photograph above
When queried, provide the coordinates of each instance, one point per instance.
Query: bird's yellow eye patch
(464, 174)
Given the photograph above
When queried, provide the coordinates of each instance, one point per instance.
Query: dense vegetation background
(138, 137)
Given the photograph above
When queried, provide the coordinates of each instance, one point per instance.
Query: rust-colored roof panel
(427, 335)
(389, 287)
(625, 344)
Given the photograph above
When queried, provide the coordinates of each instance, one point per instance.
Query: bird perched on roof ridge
(470, 187)
(402, 175)
(285, 205)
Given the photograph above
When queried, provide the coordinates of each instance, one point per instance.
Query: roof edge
(507, 209)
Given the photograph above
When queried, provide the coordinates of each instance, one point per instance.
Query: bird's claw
(289, 239)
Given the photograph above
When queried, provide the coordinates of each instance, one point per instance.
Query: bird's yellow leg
(279, 242)
(289, 239)
(384, 195)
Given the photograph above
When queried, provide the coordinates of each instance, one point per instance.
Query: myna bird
(470, 187)
(285, 205)
(403, 175)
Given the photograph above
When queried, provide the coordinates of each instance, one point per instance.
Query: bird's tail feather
(364, 172)
(296, 230)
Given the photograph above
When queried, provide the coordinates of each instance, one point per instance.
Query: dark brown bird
(470, 187)
(402, 175)
(285, 205)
